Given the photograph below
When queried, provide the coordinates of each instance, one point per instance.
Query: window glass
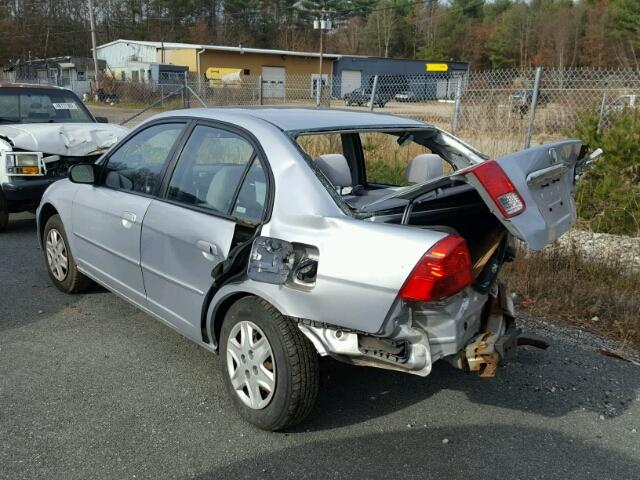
(137, 165)
(210, 169)
(253, 193)
(38, 105)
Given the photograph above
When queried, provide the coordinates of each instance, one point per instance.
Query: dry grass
(593, 295)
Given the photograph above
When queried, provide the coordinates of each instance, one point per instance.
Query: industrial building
(424, 79)
(147, 61)
(132, 60)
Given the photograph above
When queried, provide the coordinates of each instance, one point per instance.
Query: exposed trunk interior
(461, 210)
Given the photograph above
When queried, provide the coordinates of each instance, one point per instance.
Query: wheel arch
(220, 305)
(46, 212)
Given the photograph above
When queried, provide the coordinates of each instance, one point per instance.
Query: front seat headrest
(424, 167)
(336, 169)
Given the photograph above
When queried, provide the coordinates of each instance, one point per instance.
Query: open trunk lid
(544, 178)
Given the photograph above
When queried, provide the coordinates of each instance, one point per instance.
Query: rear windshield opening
(365, 166)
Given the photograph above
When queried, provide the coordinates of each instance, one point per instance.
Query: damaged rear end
(451, 305)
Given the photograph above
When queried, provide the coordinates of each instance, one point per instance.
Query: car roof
(32, 85)
(292, 119)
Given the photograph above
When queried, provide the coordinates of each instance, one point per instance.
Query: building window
(134, 75)
(122, 75)
(80, 76)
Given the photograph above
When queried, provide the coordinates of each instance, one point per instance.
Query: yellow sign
(217, 73)
(436, 67)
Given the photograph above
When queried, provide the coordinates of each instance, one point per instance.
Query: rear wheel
(271, 369)
(61, 265)
(4, 212)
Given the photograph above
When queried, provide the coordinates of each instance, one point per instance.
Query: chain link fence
(497, 111)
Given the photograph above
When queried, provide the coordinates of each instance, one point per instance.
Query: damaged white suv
(43, 130)
(277, 235)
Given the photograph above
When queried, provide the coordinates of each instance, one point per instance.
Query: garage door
(350, 80)
(273, 79)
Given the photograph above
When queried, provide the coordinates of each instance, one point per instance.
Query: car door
(216, 182)
(107, 217)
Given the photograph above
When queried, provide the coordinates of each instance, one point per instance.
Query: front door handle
(209, 250)
(128, 219)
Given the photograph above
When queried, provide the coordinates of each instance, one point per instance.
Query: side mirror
(102, 119)
(83, 173)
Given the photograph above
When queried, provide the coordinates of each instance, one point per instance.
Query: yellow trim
(436, 67)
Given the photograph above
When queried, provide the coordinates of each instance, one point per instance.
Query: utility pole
(92, 22)
(321, 24)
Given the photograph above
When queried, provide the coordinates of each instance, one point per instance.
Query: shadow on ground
(474, 451)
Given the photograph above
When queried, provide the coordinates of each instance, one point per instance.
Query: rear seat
(336, 169)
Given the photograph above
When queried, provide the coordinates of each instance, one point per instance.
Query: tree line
(485, 33)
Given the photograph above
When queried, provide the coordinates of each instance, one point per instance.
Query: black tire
(296, 366)
(73, 281)
(4, 212)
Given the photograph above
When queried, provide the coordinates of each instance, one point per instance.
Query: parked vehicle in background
(406, 96)
(362, 96)
(520, 101)
(44, 130)
(622, 102)
(230, 226)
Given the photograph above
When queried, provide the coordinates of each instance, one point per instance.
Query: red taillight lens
(499, 187)
(444, 270)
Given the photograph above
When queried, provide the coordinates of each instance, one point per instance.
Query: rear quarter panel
(361, 267)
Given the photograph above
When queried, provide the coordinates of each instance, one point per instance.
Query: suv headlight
(25, 163)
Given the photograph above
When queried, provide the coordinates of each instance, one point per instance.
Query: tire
(290, 358)
(4, 213)
(64, 275)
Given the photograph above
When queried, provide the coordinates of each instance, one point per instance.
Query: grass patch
(562, 285)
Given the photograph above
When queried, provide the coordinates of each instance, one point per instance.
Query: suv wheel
(271, 368)
(61, 265)
(4, 212)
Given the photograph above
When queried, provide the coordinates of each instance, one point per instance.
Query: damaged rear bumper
(474, 332)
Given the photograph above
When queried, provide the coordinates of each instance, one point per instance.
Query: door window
(210, 169)
(137, 165)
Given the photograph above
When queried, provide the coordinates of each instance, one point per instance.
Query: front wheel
(61, 265)
(4, 212)
(271, 368)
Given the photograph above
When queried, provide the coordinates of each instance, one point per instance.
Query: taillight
(444, 270)
(499, 187)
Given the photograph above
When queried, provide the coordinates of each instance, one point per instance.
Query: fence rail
(498, 111)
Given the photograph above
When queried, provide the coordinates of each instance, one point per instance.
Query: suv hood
(66, 139)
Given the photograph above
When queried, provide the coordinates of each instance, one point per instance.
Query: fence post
(532, 108)
(185, 91)
(456, 106)
(260, 90)
(373, 92)
(601, 114)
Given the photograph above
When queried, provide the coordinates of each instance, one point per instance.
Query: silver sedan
(274, 236)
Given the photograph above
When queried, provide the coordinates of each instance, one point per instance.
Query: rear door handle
(128, 219)
(209, 250)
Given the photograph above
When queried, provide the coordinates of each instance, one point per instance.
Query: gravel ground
(623, 250)
(92, 388)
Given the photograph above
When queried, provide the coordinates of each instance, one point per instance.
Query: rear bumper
(25, 193)
(473, 332)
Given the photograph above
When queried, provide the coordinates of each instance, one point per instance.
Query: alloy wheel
(57, 256)
(251, 365)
